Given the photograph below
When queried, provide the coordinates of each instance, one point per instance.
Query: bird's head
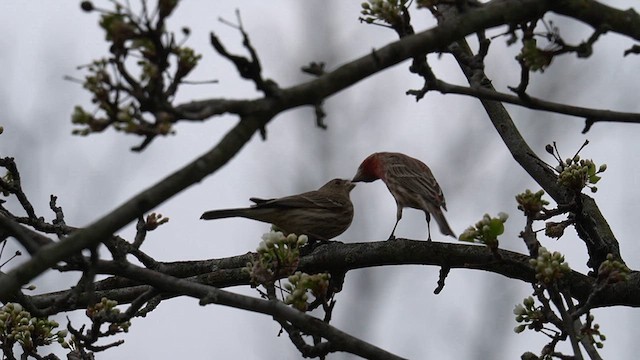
(370, 169)
(341, 184)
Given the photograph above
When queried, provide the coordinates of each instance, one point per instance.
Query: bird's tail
(225, 213)
(443, 224)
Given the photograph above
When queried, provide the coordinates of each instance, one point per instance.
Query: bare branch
(595, 115)
(333, 257)
(590, 224)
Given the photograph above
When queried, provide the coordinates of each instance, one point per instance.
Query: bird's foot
(311, 246)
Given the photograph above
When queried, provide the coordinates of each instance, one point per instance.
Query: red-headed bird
(411, 183)
(320, 214)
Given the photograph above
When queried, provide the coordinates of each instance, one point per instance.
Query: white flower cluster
(549, 266)
(273, 238)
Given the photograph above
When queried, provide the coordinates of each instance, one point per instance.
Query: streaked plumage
(411, 183)
(320, 214)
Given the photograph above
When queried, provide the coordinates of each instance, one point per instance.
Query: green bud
(528, 301)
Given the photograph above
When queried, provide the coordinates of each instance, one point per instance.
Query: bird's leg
(393, 237)
(428, 226)
(314, 242)
(398, 217)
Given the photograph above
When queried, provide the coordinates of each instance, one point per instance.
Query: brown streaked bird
(320, 214)
(411, 183)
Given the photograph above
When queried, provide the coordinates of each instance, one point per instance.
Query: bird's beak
(357, 177)
(351, 185)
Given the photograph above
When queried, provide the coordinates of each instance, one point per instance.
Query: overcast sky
(392, 307)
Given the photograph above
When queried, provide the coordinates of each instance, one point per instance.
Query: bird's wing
(260, 201)
(417, 178)
(311, 199)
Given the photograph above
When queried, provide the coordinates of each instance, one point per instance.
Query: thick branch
(600, 16)
(336, 257)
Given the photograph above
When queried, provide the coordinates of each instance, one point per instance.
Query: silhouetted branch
(592, 227)
(334, 257)
(595, 115)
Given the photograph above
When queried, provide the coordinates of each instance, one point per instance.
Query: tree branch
(591, 225)
(593, 115)
(624, 22)
(208, 294)
(339, 257)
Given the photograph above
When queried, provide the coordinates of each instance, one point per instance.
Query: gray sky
(393, 307)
